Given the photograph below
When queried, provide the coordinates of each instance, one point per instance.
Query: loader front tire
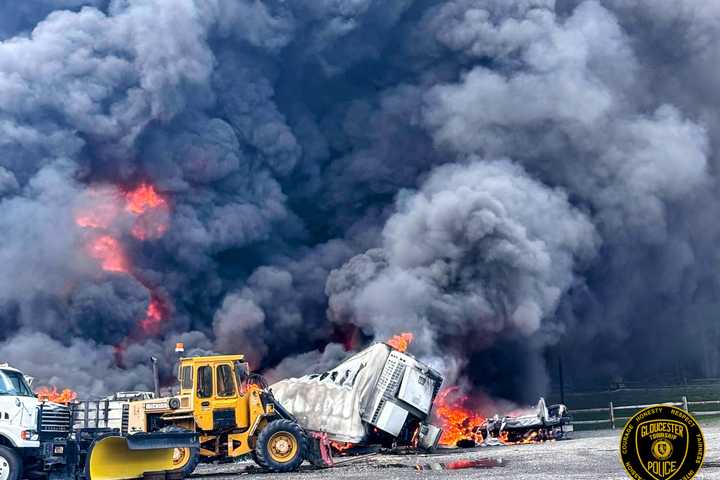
(180, 455)
(189, 467)
(280, 446)
(10, 464)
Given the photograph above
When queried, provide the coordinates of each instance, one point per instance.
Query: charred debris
(382, 398)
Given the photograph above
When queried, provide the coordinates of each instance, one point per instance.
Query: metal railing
(106, 413)
(612, 418)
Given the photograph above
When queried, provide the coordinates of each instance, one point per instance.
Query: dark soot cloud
(511, 180)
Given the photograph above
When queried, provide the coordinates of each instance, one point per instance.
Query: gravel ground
(586, 456)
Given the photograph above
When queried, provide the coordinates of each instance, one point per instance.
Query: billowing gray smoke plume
(480, 253)
(513, 181)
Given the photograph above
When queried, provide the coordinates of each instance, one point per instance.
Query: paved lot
(587, 456)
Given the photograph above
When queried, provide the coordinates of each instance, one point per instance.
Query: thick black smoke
(479, 254)
(511, 180)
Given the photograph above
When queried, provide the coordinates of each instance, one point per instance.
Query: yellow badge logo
(662, 443)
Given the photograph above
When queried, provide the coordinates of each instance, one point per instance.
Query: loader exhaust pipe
(156, 376)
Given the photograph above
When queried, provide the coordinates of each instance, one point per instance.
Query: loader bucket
(112, 458)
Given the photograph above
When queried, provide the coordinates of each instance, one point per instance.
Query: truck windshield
(13, 383)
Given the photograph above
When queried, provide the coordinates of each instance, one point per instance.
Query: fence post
(685, 404)
(612, 416)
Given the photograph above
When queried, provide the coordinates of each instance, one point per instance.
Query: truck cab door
(18, 409)
(204, 393)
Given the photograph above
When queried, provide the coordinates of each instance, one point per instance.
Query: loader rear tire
(280, 447)
(10, 464)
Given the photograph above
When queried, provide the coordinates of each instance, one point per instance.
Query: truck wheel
(10, 464)
(280, 446)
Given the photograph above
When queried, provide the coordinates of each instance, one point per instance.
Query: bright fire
(341, 446)
(108, 251)
(143, 198)
(153, 317)
(151, 210)
(461, 422)
(106, 210)
(530, 437)
(457, 420)
(401, 342)
(51, 394)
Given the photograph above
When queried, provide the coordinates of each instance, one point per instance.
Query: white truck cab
(18, 422)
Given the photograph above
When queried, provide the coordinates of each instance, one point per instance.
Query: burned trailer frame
(548, 423)
(379, 395)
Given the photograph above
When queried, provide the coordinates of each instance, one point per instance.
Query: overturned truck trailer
(380, 395)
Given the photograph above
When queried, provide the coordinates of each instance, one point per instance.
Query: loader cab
(232, 412)
(203, 377)
(217, 386)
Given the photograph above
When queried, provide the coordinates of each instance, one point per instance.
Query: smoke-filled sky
(511, 180)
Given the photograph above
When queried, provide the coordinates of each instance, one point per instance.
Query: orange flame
(457, 421)
(246, 388)
(52, 395)
(143, 198)
(151, 210)
(108, 250)
(401, 342)
(528, 438)
(462, 423)
(151, 216)
(153, 317)
(341, 446)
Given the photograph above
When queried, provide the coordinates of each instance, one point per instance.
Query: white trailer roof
(331, 402)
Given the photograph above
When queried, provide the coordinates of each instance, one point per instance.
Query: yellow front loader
(231, 410)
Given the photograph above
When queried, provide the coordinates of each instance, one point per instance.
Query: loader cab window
(204, 382)
(225, 382)
(242, 374)
(186, 377)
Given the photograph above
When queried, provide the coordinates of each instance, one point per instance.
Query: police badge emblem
(662, 443)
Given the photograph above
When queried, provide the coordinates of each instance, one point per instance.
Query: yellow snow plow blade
(112, 459)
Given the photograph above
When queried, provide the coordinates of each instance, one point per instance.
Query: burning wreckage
(385, 396)
(545, 423)
(380, 395)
